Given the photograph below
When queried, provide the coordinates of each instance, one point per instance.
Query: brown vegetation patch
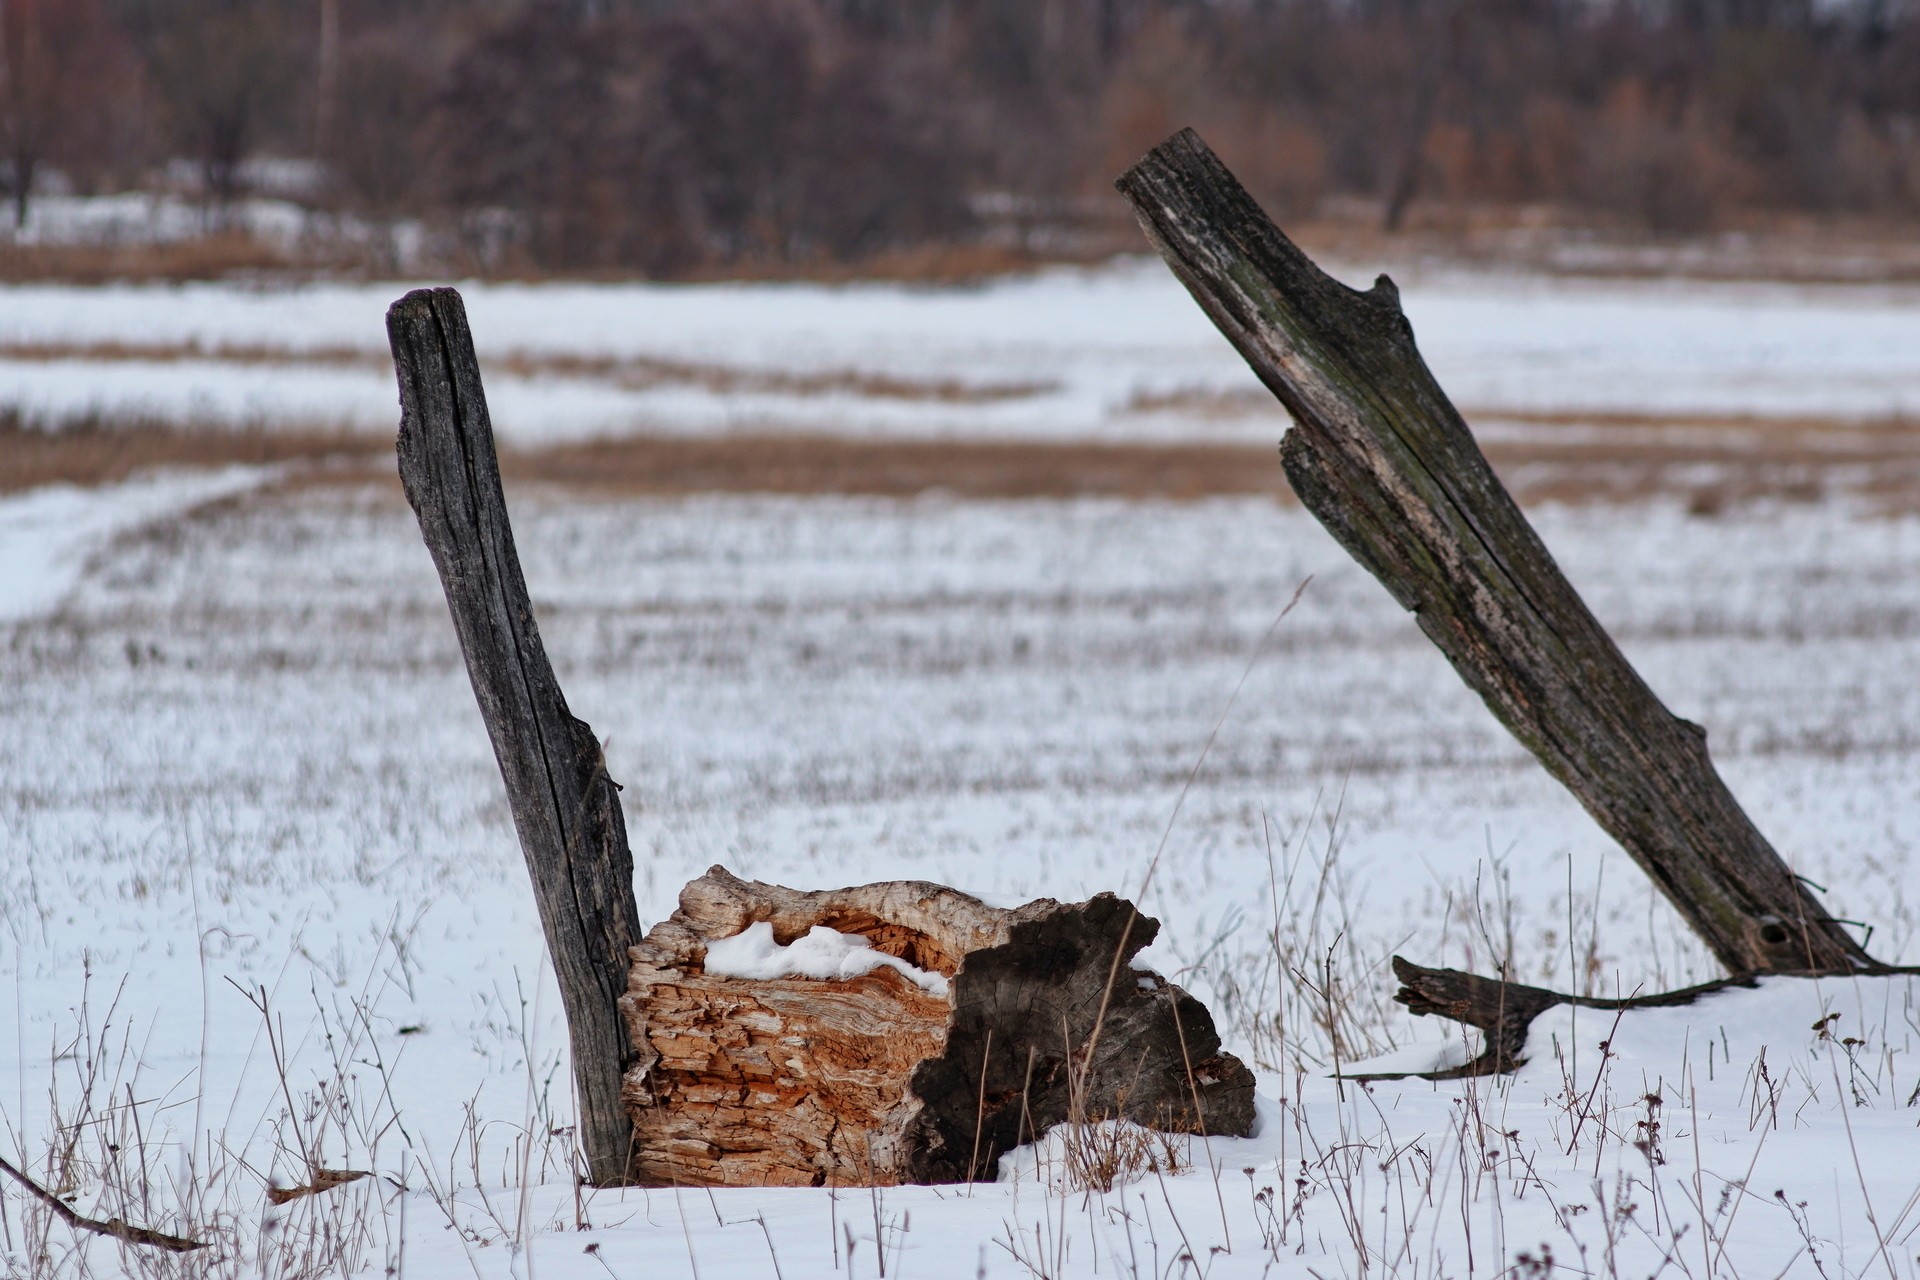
(902, 468)
(1708, 469)
(95, 451)
(1814, 431)
(1204, 402)
(209, 257)
(1630, 428)
(646, 371)
(118, 352)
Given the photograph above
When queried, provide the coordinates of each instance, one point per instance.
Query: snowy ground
(240, 749)
(1113, 353)
(261, 893)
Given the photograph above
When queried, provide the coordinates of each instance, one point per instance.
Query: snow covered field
(1114, 353)
(241, 750)
(261, 893)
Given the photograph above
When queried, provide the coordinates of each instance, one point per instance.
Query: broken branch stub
(1379, 454)
(565, 807)
(875, 1080)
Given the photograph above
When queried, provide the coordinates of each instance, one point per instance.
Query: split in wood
(873, 1080)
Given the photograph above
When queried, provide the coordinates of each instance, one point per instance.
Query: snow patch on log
(823, 953)
(876, 1078)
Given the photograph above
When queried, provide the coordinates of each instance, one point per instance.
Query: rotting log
(566, 809)
(1379, 454)
(873, 1080)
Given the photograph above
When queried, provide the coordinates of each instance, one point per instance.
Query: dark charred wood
(1382, 458)
(565, 807)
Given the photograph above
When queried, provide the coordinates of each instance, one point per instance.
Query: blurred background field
(945, 138)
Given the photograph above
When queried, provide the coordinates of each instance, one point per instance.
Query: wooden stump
(874, 1080)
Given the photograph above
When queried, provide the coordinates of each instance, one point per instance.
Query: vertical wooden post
(565, 808)
(1381, 456)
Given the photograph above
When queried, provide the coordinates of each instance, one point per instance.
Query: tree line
(671, 135)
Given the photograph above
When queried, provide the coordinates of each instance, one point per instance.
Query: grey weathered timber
(1380, 455)
(565, 807)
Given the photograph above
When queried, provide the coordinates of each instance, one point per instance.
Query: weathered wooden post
(1379, 454)
(565, 807)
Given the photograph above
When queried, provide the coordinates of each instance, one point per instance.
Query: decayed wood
(565, 807)
(1382, 458)
(872, 1080)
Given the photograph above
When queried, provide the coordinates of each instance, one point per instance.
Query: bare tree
(225, 69)
(672, 135)
(52, 55)
(525, 126)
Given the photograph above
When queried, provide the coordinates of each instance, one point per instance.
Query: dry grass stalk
(323, 1180)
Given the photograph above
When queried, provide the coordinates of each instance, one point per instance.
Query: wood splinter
(874, 1080)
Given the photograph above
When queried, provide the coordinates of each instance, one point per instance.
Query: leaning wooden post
(565, 808)
(1380, 455)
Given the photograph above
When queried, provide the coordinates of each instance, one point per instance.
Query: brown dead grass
(93, 452)
(207, 258)
(643, 371)
(1706, 469)
(897, 468)
(940, 264)
(116, 352)
(1634, 429)
(230, 254)
(1753, 245)
(1780, 247)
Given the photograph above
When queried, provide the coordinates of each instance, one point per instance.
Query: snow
(244, 748)
(1116, 352)
(47, 535)
(145, 218)
(258, 869)
(822, 953)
